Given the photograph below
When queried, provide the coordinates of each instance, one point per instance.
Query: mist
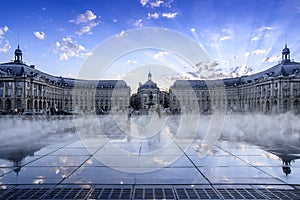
(251, 128)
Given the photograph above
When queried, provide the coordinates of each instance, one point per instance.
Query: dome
(18, 51)
(286, 50)
(148, 85)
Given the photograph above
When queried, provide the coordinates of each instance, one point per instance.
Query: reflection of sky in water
(60, 157)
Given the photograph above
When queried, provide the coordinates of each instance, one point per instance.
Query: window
(295, 84)
(9, 92)
(295, 92)
(19, 92)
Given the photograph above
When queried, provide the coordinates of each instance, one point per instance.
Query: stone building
(274, 90)
(24, 88)
(147, 94)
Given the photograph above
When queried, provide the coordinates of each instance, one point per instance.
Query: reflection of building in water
(22, 88)
(148, 94)
(286, 154)
(276, 89)
(16, 154)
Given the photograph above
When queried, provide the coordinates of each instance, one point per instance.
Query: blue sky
(241, 36)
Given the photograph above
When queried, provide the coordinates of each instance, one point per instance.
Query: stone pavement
(60, 170)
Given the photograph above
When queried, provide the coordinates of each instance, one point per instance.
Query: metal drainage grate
(147, 192)
(110, 193)
(153, 193)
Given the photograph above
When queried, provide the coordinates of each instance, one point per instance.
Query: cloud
(160, 55)
(87, 22)
(138, 23)
(63, 56)
(224, 38)
(242, 70)
(151, 3)
(254, 39)
(3, 31)
(5, 47)
(261, 33)
(86, 29)
(272, 59)
(84, 18)
(144, 2)
(39, 35)
(154, 15)
(130, 62)
(170, 15)
(69, 48)
(259, 51)
(121, 34)
(247, 54)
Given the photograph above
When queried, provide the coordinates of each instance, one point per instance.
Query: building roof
(20, 69)
(286, 68)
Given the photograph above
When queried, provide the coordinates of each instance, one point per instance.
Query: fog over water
(257, 128)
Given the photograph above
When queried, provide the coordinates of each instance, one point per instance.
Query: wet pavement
(56, 169)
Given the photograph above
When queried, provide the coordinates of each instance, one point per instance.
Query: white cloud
(5, 28)
(154, 15)
(39, 35)
(121, 34)
(227, 31)
(160, 55)
(84, 18)
(239, 71)
(138, 23)
(151, 3)
(87, 20)
(272, 59)
(63, 56)
(130, 62)
(3, 31)
(254, 39)
(57, 45)
(69, 48)
(247, 54)
(170, 15)
(259, 51)
(5, 47)
(115, 20)
(156, 3)
(144, 2)
(261, 33)
(86, 28)
(224, 38)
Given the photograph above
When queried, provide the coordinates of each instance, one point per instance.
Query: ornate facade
(24, 88)
(276, 89)
(147, 94)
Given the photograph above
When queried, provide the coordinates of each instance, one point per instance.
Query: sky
(240, 37)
